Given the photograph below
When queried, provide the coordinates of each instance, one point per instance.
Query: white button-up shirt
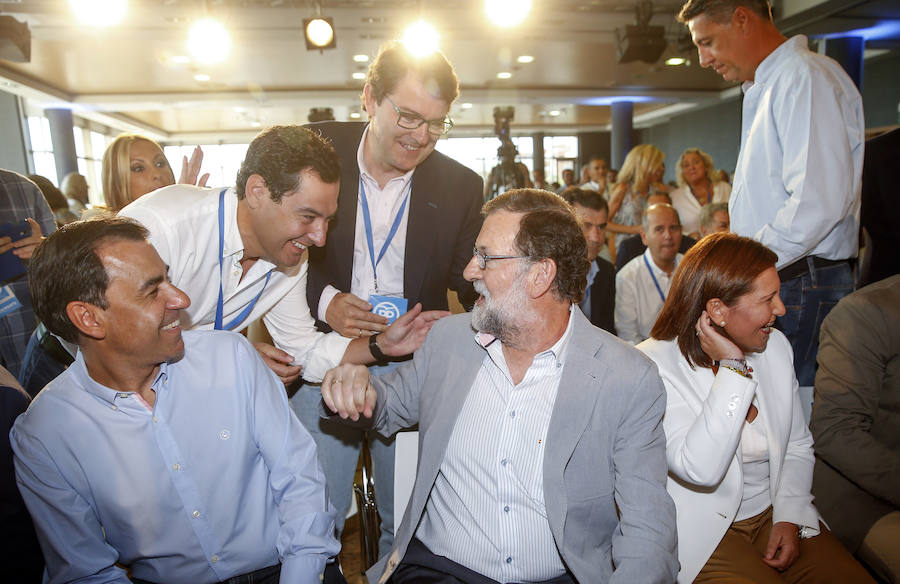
(486, 509)
(798, 176)
(638, 302)
(184, 229)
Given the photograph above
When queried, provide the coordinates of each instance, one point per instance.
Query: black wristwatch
(376, 350)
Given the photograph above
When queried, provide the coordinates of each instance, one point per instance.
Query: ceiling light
(319, 33)
(421, 39)
(675, 61)
(466, 106)
(359, 75)
(209, 41)
(181, 59)
(201, 77)
(553, 113)
(525, 59)
(504, 75)
(354, 115)
(255, 124)
(507, 13)
(361, 58)
(99, 12)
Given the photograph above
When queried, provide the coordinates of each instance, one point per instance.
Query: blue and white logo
(387, 310)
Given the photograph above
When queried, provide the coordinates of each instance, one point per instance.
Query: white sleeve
(626, 314)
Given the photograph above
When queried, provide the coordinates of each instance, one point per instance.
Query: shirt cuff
(328, 294)
(304, 569)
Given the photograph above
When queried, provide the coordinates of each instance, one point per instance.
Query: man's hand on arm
(279, 362)
(347, 392)
(351, 316)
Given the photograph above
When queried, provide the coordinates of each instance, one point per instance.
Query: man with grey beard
(534, 425)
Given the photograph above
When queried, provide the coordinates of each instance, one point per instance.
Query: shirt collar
(233, 244)
(364, 170)
(107, 394)
(773, 60)
(656, 269)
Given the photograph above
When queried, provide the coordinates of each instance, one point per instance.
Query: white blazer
(689, 208)
(703, 421)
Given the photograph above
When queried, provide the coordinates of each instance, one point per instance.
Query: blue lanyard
(655, 283)
(367, 221)
(220, 304)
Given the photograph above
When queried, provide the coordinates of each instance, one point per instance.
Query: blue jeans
(807, 300)
(338, 447)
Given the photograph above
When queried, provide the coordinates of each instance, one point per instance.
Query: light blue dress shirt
(218, 480)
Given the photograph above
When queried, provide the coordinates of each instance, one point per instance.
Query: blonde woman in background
(699, 184)
(134, 165)
(643, 167)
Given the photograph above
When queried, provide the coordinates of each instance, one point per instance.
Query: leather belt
(801, 267)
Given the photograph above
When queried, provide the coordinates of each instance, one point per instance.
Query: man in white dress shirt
(642, 284)
(798, 176)
(597, 173)
(541, 450)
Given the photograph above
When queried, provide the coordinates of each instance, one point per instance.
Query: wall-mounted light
(319, 32)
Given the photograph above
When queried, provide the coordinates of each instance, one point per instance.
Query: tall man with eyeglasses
(406, 222)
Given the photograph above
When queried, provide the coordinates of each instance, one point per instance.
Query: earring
(723, 324)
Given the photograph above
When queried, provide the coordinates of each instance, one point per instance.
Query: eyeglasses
(411, 121)
(484, 258)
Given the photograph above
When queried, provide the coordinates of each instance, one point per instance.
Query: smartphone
(10, 264)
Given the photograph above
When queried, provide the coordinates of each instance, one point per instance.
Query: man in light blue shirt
(172, 455)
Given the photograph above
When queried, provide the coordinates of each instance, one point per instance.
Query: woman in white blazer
(739, 452)
(699, 184)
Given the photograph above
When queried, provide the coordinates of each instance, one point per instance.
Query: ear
(740, 19)
(87, 318)
(369, 96)
(717, 310)
(540, 277)
(643, 237)
(256, 191)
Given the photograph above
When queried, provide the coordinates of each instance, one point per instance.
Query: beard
(497, 316)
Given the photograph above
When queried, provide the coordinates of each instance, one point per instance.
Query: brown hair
(394, 62)
(721, 265)
(586, 198)
(548, 230)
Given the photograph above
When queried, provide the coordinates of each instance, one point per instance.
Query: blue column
(620, 138)
(848, 51)
(63, 139)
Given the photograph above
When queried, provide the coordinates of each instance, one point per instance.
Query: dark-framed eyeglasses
(412, 121)
(484, 258)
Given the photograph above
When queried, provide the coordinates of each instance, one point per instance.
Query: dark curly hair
(280, 154)
(548, 230)
(65, 268)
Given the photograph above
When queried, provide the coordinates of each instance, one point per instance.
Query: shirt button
(196, 514)
(512, 414)
(155, 419)
(176, 466)
(112, 407)
(508, 560)
(215, 558)
(729, 414)
(732, 406)
(506, 508)
(503, 462)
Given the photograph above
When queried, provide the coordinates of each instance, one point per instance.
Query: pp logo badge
(389, 307)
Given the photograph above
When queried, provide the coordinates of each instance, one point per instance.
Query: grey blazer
(605, 447)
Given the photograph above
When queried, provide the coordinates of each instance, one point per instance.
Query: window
(42, 148)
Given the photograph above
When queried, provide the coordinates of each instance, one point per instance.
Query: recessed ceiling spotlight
(255, 124)
(359, 75)
(354, 115)
(201, 77)
(466, 106)
(553, 113)
(99, 13)
(181, 59)
(361, 58)
(507, 13)
(319, 33)
(209, 41)
(675, 61)
(504, 75)
(525, 59)
(421, 39)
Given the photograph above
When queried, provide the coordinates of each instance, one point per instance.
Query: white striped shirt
(486, 510)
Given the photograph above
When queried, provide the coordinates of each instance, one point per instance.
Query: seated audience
(173, 455)
(75, 187)
(568, 176)
(714, 218)
(632, 246)
(54, 197)
(599, 300)
(20, 553)
(541, 455)
(740, 455)
(539, 181)
(643, 283)
(855, 421)
(643, 168)
(597, 174)
(699, 184)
